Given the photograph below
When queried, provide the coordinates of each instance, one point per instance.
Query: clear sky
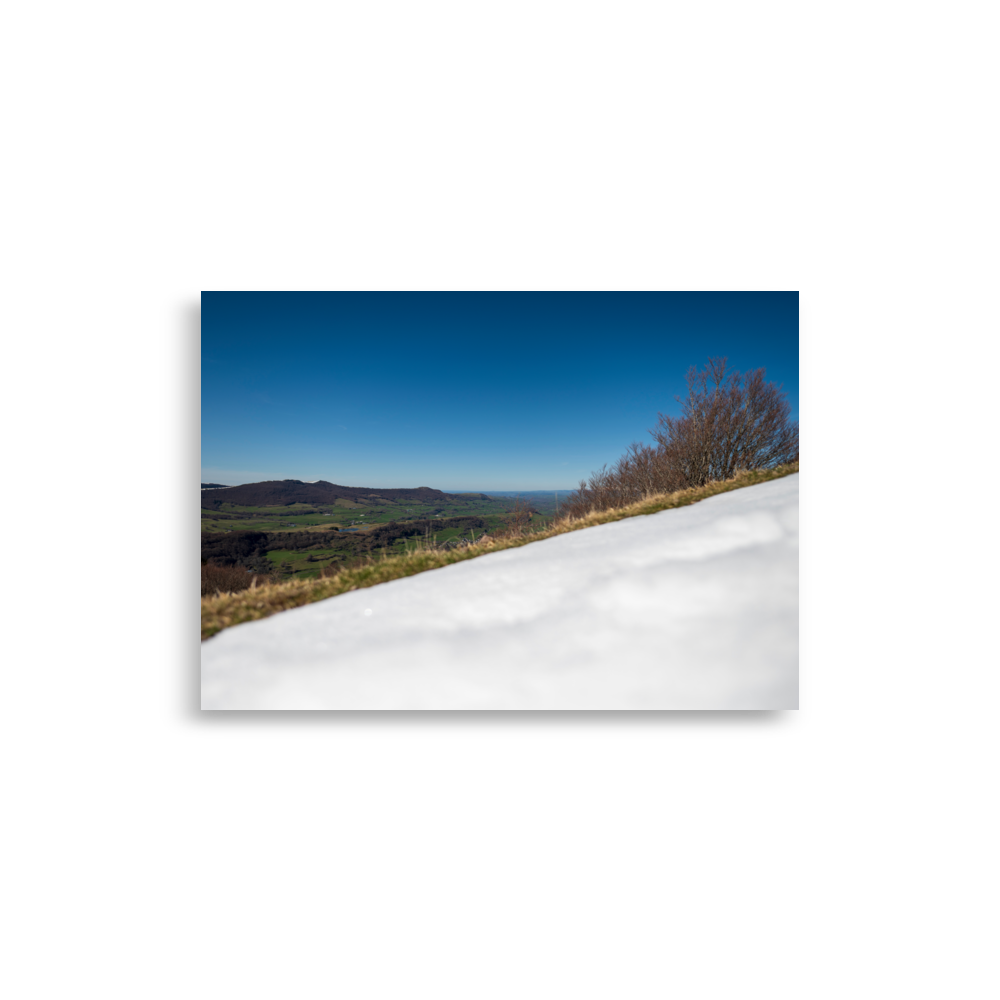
(463, 390)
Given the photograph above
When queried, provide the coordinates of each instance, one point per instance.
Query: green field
(303, 565)
(304, 559)
(447, 533)
(296, 517)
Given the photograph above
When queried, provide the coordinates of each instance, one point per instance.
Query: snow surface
(695, 608)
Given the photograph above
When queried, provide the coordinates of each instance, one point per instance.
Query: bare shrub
(230, 579)
(520, 515)
(728, 422)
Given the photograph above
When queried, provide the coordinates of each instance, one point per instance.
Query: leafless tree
(728, 422)
(518, 519)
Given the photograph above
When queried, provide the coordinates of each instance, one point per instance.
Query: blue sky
(463, 390)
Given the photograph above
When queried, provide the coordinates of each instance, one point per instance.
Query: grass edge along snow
(224, 610)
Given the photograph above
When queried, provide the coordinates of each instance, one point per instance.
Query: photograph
(514, 501)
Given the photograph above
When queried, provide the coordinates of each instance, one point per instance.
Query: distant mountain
(279, 492)
(214, 486)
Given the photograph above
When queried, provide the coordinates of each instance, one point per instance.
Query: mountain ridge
(284, 492)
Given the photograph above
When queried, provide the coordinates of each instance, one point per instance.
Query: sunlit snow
(695, 608)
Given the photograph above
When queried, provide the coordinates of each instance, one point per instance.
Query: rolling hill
(284, 492)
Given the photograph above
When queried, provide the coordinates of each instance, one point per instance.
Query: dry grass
(231, 579)
(223, 610)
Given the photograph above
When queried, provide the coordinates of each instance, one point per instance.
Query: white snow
(695, 608)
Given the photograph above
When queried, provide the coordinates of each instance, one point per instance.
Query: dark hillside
(230, 549)
(282, 492)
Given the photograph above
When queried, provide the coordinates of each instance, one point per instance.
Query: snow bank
(695, 608)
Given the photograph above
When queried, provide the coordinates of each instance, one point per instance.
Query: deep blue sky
(463, 390)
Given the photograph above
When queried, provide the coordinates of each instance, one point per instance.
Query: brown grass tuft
(230, 580)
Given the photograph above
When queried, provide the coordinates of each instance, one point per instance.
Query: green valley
(294, 530)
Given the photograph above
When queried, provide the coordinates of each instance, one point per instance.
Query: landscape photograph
(517, 501)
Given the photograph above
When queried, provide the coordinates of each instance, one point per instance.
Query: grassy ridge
(223, 610)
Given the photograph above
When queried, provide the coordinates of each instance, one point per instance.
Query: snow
(694, 608)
